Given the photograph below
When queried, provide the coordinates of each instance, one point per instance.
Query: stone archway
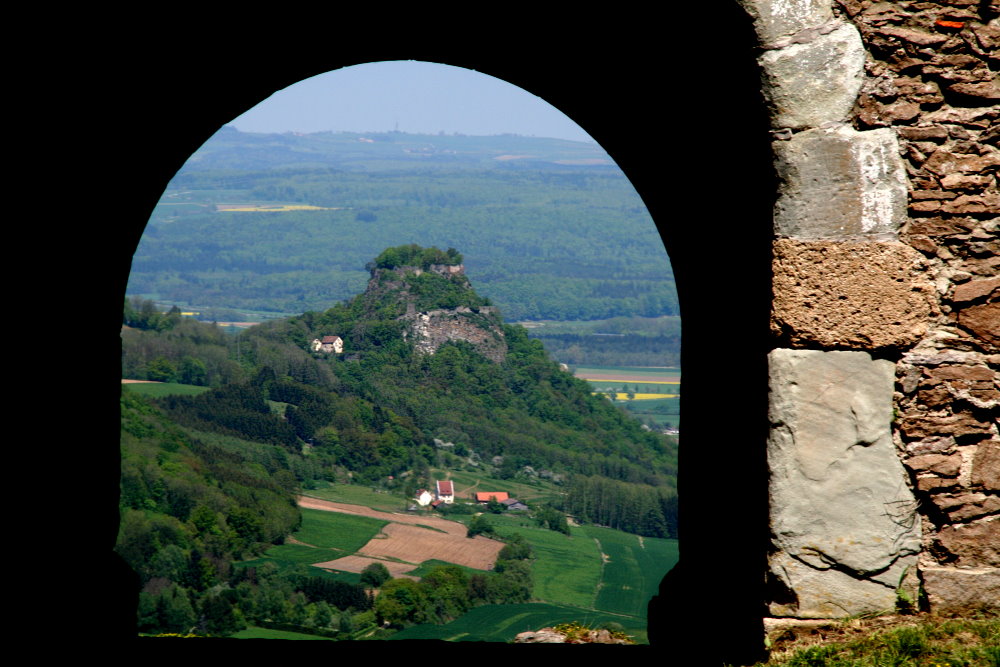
(942, 389)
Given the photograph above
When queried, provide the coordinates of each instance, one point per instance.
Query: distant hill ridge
(388, 150)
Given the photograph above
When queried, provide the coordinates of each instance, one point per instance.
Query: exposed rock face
(843, 520)
(478, 325)
(481, 328)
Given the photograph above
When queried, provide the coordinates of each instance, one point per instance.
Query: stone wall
(884, 452)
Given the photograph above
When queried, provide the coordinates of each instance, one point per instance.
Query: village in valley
(444, 494)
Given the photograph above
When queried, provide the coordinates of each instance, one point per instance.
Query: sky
(411, 96)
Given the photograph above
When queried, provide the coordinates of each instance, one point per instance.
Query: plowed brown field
(413, 539)
(359, 563)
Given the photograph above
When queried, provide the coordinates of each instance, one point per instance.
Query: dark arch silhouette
(679, 109)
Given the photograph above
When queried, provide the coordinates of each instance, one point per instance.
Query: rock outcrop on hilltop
(438, 306)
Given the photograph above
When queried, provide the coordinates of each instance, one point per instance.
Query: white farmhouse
(446, 491)
(328, 344)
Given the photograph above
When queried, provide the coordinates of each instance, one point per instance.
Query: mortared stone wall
(884, 453)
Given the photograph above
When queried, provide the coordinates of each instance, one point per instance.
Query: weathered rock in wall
(845, 527)
(849, 294)
(887, 242)
(932, 80)
(837, 183)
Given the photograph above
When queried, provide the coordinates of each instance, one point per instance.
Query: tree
(401, 601)
(375, 575)
(161, 370)
(479, 525)
(192, 371)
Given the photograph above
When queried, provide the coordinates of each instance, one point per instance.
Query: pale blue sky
(411, 96)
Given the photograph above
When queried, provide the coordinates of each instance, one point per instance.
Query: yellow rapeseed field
(622, 396)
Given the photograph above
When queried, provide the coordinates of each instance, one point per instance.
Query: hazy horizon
(413, 97)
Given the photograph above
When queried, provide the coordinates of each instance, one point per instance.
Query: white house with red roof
(328, 344)
(446, 491)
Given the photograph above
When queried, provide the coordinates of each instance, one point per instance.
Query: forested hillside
(208, 479)
(283, 224)
(376, 408)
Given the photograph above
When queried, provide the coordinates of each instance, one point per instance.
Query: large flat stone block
(806, 85)
(843, 520)
(843, 294)
(837, 183)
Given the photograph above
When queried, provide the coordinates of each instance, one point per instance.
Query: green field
(331, 535)
(501, 623)
(660, 411)
(633, 569)
(361, 495)
(333, 530)
(157, 389)
(593, 576)
(254, 632)
(566, 569)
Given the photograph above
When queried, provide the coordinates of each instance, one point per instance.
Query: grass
(501, 623)
(157, 389)
(327, 536)
(661, 410)
(925, 641)
(361, 495)
(253, 632)
(566, 569)
(424, 568)
(333, 530)
(299, 553)
(633, 569)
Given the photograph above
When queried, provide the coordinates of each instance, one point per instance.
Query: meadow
(501, 623)
(592, 576)
(362, 495)
(158, 389)
(594, 569)
(331, 530)
(324, 536)
(254, 632)
(633, 568)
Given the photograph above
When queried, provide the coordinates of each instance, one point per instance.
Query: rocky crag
(413, 289)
